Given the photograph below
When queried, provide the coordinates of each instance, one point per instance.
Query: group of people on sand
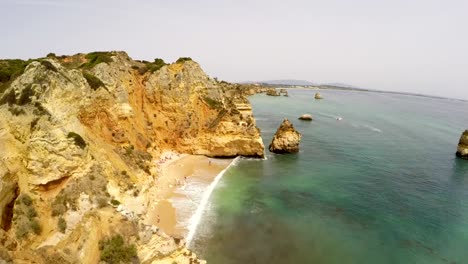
(168, 157)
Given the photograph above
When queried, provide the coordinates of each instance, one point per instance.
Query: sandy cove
(175, 171)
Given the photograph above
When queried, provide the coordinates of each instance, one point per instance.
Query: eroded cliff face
(71, 143)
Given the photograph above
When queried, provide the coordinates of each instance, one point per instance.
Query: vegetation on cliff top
(150, 66)
(9, 70)
(79, 141)
(183, 59)
(94, 58)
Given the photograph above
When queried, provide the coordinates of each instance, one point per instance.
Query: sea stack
(272, 92)
(286, 139)
(284, 92)
(306, 117)
(462, 149)
(318, 96)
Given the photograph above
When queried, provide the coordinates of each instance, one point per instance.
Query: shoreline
(182, 181)
(372, 91)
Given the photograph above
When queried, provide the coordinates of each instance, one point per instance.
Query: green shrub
(79, 141)
(93, 81)
(25, 199)
(58, 208)
(35, 226)
(115, 202)
(31, 213)
(22, 229)
(51, 55)
(143, 70)
(183, 59)
(115, 250)
(67, 198)
(10, 70)
(62, 224)
(102, 201)
(25, 217)
(152, 66)
(16, 111)
(48, 65)
(25, 97)
(213, 103)
(94, 58)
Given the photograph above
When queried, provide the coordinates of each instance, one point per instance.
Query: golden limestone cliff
(79, 136)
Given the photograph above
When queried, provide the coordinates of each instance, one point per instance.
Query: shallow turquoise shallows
(382, 185)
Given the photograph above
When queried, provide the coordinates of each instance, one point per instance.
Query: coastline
(315, 88)
(182, 181)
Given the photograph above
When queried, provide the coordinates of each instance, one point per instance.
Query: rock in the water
(272, 92)
(286, 139)
(306, 117)
(318, 96)
(284, 92)
(462, 149)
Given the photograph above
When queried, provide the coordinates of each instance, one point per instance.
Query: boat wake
(373, 128)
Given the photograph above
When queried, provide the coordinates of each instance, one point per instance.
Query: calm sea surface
(381, 186)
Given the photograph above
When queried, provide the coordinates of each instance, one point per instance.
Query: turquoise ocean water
(381, 186)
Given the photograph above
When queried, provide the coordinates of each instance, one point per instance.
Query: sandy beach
(175, 173)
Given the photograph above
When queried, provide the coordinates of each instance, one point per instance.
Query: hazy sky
(418, 46)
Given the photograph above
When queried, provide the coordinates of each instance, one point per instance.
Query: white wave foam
(196, 217)
(328, 115)
(373, 128)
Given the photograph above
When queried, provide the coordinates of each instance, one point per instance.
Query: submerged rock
(462, 149)
(318, 96)
(286, 139)
(306, 117)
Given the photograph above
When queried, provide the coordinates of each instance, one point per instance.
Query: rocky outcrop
(318, 96)
(286, 139)
(462, 149)
(283, 92)
(71, 128)
(272, 92)
(306, 117)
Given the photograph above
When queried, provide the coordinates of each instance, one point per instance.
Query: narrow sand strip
(176, 171)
